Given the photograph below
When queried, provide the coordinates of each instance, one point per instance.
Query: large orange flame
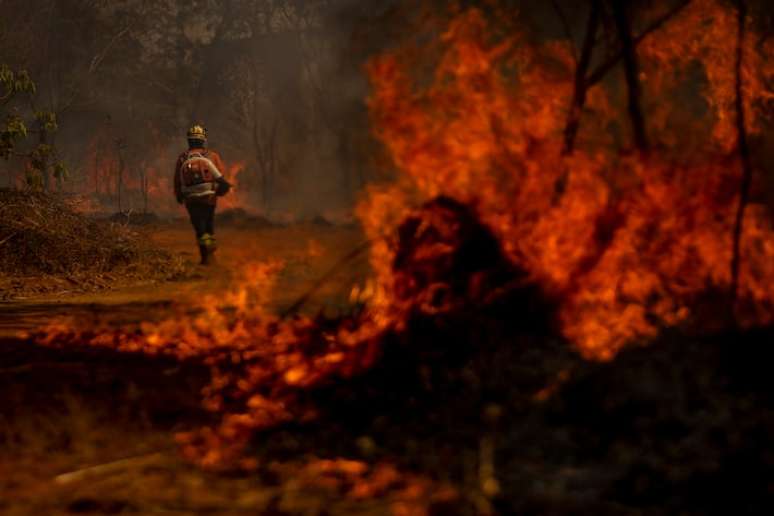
(626, 243)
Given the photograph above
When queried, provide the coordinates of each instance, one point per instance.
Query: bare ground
(525, 426)
(69, 411)
(307, 251)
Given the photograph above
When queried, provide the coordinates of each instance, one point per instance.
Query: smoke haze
(278, 84)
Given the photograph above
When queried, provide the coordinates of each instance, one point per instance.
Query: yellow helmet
(197, 132)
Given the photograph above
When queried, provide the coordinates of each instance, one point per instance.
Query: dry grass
(42, 236)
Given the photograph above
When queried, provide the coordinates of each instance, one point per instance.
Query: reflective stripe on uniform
(199, 190)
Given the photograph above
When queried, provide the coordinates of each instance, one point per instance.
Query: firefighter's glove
(222, 187)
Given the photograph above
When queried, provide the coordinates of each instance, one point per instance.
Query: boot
(204, 254)
(208, 241)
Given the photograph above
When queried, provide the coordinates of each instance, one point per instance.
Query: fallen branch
(42, 365)
(107, 468)
(6, 239)
(301, 301)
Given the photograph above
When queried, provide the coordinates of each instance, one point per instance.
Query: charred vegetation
(567, 306)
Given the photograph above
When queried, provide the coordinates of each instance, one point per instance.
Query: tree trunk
(211, 66)
(602, 70)
(43, 142)
(581, 87)
(584, 82)
(96, 169)
(744, 151)
(144, 188)
(120, 182)
(260, 161)
(345, 155)
(631, 72)
(272, 170)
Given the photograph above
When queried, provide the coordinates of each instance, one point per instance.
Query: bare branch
(99, 57)
(602, 70)
(567, 29)
(581, 87)
(631, 72)
(108, 468)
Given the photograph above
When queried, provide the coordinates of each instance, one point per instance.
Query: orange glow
(626, 244)
(237, 197)
(712, 25)
(145, 183)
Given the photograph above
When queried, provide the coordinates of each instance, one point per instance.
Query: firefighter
(198, 183)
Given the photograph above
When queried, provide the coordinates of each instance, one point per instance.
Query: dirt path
(307, 252)
(89, 431)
